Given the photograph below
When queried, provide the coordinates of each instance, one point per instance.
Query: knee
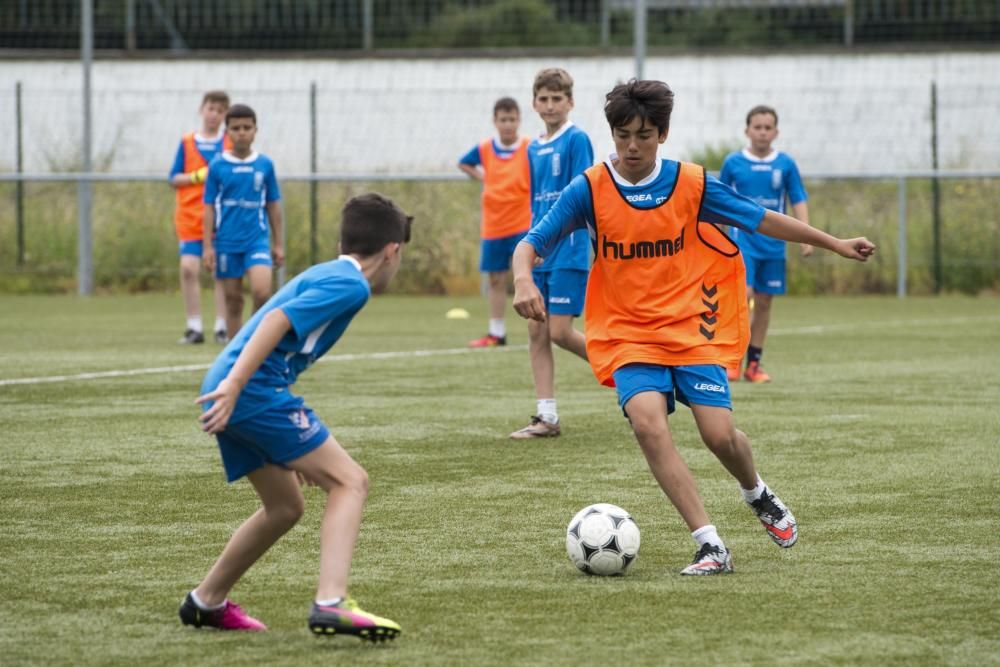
(647, 427)
(356, 481)
(289, 512)
(721, 442)
(234, 301)
(189, 273)
(563, 336)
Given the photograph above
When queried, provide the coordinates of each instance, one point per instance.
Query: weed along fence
(936, 231)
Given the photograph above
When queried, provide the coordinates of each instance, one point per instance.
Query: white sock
(204, 607)
(547, 410)
(753, 494)
(332, 602)
(194, 323)
(707, 535)
(498, 328)
(220, 324)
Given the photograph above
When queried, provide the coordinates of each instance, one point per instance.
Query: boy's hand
(860, 248)
(806, 249)
(198, 175)
(278, 254)
(208, 258)
(215, 419)
(528, 301)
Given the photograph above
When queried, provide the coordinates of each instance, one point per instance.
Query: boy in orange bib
(665, 311)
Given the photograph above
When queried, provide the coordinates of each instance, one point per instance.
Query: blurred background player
(243, 199)
(562, 152)
(272, 437)
(768, 177)
(501, 165)
(666, 302)
(187, 176)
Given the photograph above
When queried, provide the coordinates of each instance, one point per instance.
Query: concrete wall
(839, 113)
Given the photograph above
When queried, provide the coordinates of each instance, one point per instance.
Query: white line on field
(158, 370)
(404, 354)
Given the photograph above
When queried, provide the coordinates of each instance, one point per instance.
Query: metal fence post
(639, 37)
(605, 23)
(84, 196)
(367, 24)
(19, 188)
(313, 185)
(901, 252)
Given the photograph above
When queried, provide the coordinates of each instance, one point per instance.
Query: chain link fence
(365, 25)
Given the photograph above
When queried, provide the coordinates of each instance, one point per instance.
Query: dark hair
(217, 96)
(553, 78)
(240, 111)
(760, 109)
(652, 101)
(506, 104)
(371, 221)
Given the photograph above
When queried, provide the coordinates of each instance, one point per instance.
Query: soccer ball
(602, 539)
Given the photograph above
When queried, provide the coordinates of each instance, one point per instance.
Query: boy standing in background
(501, 165)
(242, 198)
(768, 177)
(556, 157)
(187, 176)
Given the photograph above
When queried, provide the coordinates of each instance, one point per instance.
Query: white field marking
(159, 370)
(792, 331)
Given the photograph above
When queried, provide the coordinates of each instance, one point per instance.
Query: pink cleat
(230, 617)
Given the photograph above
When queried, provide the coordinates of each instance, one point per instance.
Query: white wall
(838, 113)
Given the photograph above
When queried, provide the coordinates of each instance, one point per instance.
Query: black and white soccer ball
(602, 539)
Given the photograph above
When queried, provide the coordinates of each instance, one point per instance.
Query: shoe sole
(533, 436)
(708, 573)
(374, 635)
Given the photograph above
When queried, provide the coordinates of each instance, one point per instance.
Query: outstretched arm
(263, 341)
(787, 228)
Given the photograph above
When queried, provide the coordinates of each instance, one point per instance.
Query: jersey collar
(218, 136)
(229, 157)
(356, 263)
(771, 157)
(561, 131)
(620, 180)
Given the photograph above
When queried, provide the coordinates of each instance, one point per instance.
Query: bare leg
(283, 506)
(233, 288)
(259, 276)
(760, 318)
(497, 294)
(730, 446)
(346, 485)
(220, 300)
(542, 363)
(563, 334)
(648, 414)
(190, 269)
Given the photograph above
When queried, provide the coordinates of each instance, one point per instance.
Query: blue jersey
(320, 302)
(208, 147)
(767, 181)
(554, 163)
(473, 159)
(574, 210)
(240, 190)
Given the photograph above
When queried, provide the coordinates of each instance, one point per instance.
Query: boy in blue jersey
(666, 303)
(274, 439)
(243, 196)
(768, 177)
(187, 176)
(556, 158)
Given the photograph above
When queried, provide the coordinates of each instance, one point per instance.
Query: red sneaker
(489, 340)
(754, 373)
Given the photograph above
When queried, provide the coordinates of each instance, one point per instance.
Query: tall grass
(135, 249)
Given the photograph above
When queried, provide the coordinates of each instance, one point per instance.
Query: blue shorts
(698, 385)
(235, 264)
(495, 254)
(281, 434)
(765, 275)
(190, 248)
(562, 289)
